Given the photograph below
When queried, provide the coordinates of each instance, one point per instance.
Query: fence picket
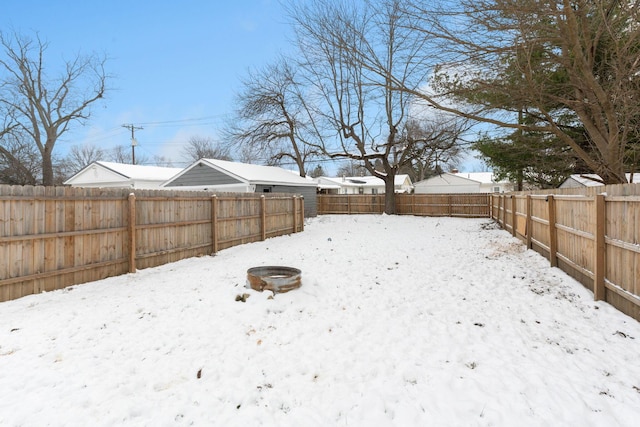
(53, 237)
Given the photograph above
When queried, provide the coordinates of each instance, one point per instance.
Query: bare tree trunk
(390, 194)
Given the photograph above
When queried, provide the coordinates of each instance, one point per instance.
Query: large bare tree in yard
(42, 107)
(363, 107)
(274, 121)
(566, 66)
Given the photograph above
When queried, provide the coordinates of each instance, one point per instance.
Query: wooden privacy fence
(594, 238)
(53, 237)
(474, 205)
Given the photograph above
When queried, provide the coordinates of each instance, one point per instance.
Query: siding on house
(204, 176)
(309, 194)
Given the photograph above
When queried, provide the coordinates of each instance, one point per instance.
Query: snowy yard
(400, 321)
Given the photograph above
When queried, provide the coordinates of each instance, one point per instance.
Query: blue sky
(176, 64)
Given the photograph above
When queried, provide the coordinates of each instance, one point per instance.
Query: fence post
(514, 218)
(263, 216)
(295, 214)
(600, 247)
(529, 223)
(491, 206)
(449, 207)
(553, 232)
(214, 224)
(301, 213)
(132, 233)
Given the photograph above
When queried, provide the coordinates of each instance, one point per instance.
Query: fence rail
(456, 205)
(595, 238)
(54, 237)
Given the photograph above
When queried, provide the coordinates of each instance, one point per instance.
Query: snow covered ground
(400, 321)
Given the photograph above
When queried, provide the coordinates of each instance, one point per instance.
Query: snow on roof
(258, 174)
(141, 172)
(362, 181)
(482, 177)
(594, 180)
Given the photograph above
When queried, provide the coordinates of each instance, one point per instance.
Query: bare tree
(274, 120)
(565, 65)
(18, 161)
(434, 143)
(43, 108)
(204, 148)
(351, 168)
(123, 154)
(162, 161)
(363, 107)
(80, 156)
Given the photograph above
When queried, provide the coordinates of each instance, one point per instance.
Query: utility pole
(133, 128)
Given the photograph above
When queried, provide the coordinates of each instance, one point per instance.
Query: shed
(111, 174)
(235, 177)
(462, 182)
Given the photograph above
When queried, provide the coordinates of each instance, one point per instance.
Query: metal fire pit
(277, 279)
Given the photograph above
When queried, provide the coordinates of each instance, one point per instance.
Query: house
(590, 180)
(111, 174)
(362, 185)
(234, 177)
(462, 182)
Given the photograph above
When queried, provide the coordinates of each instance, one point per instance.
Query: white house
(235, 177)
(110, 174)
(362, 185)
(462, 182)
(590, 180)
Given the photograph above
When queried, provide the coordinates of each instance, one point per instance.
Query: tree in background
(19, 163)
(123, 154)
(273, 119)
(42, 108)
(351, 168)
(316, 172)
(363, 110)
(435, 145)
(565, 65)
(204, 148)
(81, 156)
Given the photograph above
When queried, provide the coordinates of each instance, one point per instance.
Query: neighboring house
(462, 182)
(234, 177)
(362, 185)
(590, 180)
(110, 174)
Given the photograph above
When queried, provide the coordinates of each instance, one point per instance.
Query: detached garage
(234, 177)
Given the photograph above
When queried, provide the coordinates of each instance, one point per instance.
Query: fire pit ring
(277, 279)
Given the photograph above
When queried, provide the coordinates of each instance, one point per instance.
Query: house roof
(156, 173)
(482, 177)
(132, 172)
(594, 180)
(359, 181)
(257, 174)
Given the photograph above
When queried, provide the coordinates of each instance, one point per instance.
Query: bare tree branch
(44, 108)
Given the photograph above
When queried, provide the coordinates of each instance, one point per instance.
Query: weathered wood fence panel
(595, 238)
(54, 237)
(455, 205)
